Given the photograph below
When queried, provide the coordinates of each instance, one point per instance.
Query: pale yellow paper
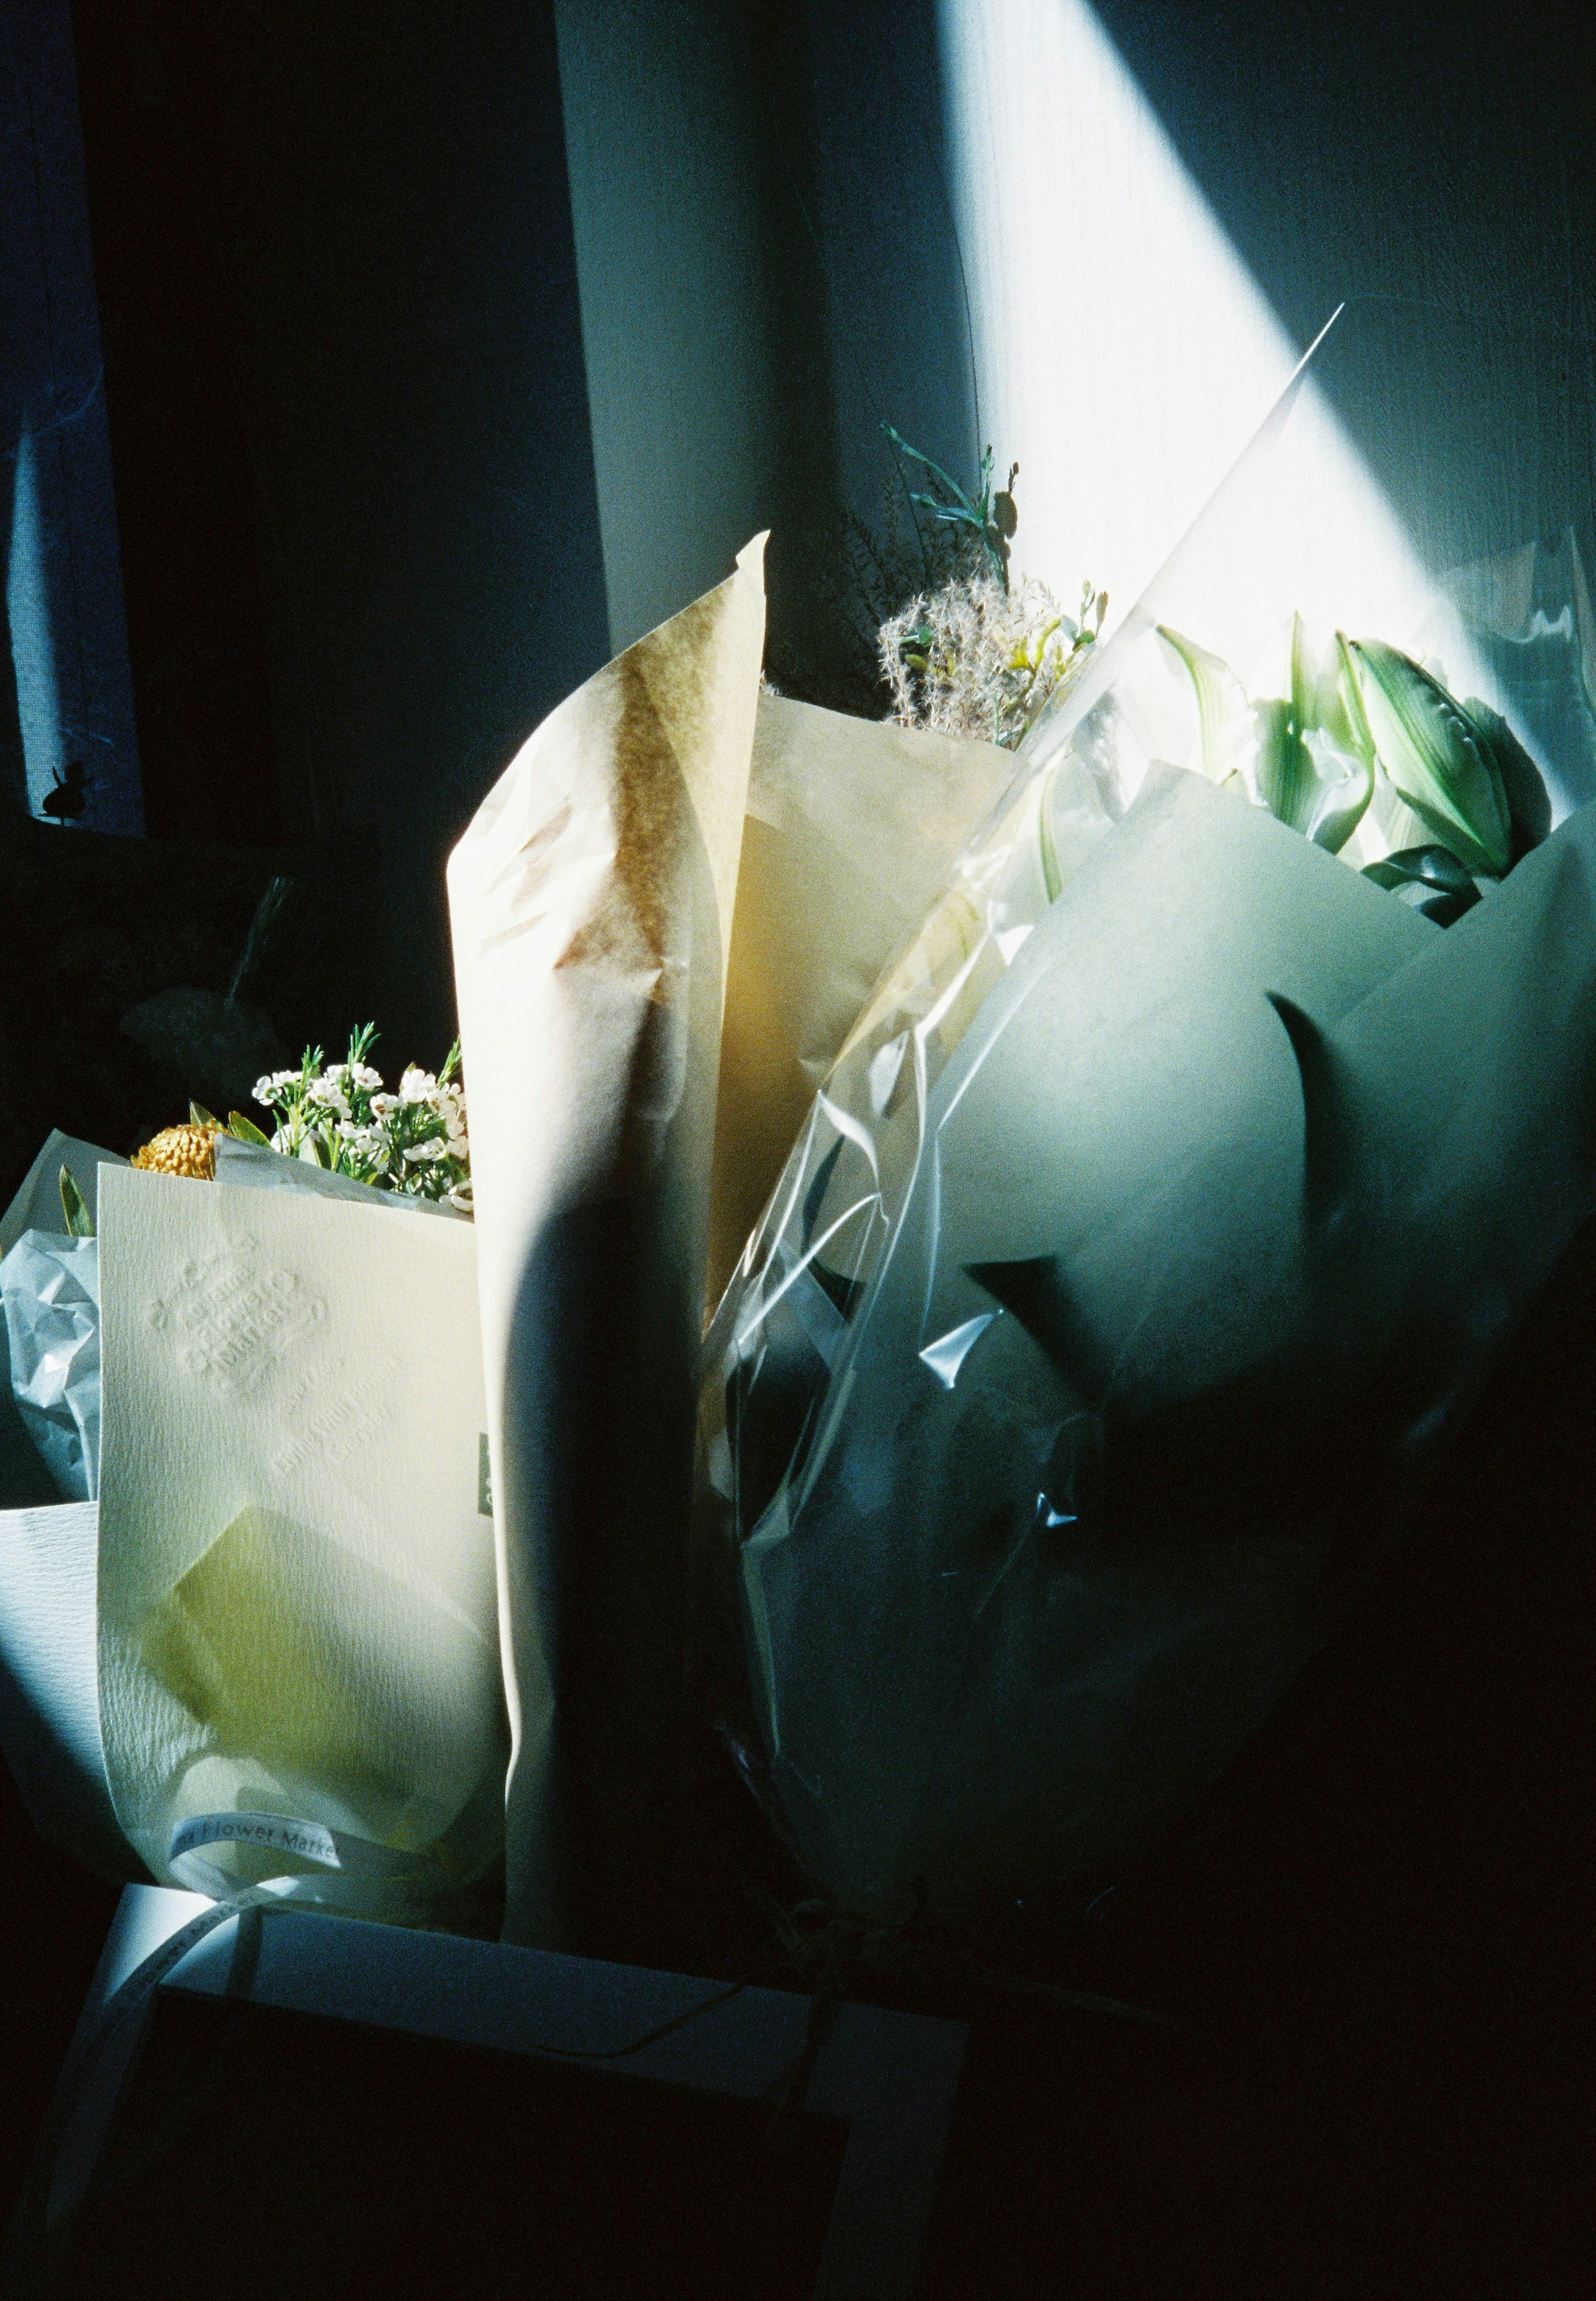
(853, 826)
(296, 1601)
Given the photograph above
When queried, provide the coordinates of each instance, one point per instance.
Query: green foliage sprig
(979, 654)
(989, 519)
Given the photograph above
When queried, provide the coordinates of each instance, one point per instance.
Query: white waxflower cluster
(340, 1116)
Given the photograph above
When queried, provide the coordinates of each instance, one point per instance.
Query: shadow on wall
(861, 227)
(768, 269)
(1441, 156)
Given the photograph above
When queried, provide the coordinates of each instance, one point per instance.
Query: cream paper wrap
(296, 1590)
(852, 828)
(640, 1049)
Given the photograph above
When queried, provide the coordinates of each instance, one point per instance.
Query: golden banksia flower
(182, 1150)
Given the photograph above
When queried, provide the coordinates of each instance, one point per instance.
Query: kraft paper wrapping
(591, 901)
(296, 1591)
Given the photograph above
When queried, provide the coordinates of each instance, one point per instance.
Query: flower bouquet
(270, 1640)
(1171, 1198)
(1144, 1232)
(279, 1522)
(666, 916)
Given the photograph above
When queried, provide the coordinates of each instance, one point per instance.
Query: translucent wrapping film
(1169, 1200)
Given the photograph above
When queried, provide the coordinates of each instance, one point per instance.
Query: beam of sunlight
(32, 646)
(1125, 358)
(1123, 354)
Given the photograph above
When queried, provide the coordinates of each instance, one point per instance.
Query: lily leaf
(960, 512)
(79, 1222)
(904, 448)
(1310, 770)
(1429, 878)
(1529, 803)
(245, 1129)
(1224, 715)
(198, 1116)
(1304, 687)
(1438, 758)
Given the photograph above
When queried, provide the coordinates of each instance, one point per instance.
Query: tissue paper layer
(51, 1290)
(37, 1205)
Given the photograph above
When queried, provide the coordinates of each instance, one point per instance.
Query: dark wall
(364, 546)
(863, 249)
(68, 746)
(1427, 149)
(768, 270)
(185, 491)
(349, 419)
(879, 191)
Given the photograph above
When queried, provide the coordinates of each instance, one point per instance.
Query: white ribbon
(355, 1862)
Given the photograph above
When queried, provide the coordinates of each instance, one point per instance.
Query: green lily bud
(1301, 753)
(1283, 769)
(1438, 758)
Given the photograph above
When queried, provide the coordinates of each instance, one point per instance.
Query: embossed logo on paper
(233, 1318)
(342, 1424)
